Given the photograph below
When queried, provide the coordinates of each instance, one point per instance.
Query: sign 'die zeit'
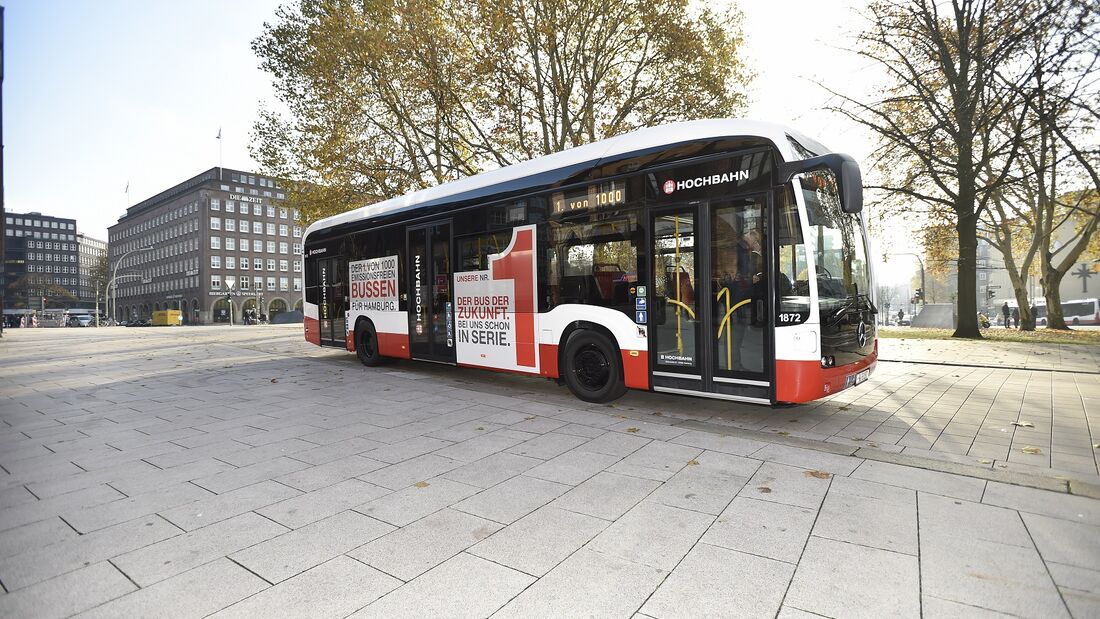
(373, 284)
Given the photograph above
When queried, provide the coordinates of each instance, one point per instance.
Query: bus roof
(577, 158)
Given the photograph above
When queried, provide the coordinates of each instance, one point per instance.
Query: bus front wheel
(593, 367)
(366, 344)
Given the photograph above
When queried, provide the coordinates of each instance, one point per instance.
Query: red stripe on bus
(313, 331)
(804, 381)
(636, 369)
(394, 345)
(548, 360)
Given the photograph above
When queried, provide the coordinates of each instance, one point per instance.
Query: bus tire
(366, 344)
(1076, 321)
(593, 367)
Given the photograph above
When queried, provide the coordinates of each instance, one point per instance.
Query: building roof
(586, 156)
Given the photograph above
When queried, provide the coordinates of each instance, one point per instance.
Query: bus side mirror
(848, 178)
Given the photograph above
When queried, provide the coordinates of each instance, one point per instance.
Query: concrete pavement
(242, 472)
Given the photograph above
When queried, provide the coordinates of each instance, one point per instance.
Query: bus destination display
(599, 195)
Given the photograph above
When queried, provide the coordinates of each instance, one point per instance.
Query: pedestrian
(901, 314)
(1005, 311)
(1015, 318)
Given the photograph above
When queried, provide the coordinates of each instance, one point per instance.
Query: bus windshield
(843, 277)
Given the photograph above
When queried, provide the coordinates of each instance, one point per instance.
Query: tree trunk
(967, 228)
(1052, 284)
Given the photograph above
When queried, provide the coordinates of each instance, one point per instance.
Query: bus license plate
(862, 376)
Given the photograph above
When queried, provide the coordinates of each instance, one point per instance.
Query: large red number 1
(518, 265)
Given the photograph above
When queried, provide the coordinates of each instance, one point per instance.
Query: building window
(297, 266)
(251, 180)
(230, 206)
(257, 227)
(215, 204)
(245, 283)
(283, 212)
(257, 245)
(215, 223)
(270, 211)
(283, 231)
(258, 264)
(244, 263)
(271, 229)
(297, 232)
(215, 282)
(230, 262)
(257, 210)
(243, 224)
(283, 283)
(271, 247)
(215, 242)
(280, 195)
(283, 248)
(230, 225)
(283, 265)
(231, 243)
(297, 249)
(271, 283)
(270, 265)
(215, 262)
(225, 187)
(297, 284)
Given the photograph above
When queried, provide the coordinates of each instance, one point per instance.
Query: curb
(1016, 478)
(990, 367)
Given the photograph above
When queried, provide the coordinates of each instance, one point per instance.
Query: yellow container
(166, 318)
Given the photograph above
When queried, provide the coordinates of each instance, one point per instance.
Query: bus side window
(593, 260)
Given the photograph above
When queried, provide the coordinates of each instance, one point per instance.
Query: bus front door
(710, 325)
(430, 296)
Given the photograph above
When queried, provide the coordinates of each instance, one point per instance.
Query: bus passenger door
(709, 307)
(332, 304)
(431, 294)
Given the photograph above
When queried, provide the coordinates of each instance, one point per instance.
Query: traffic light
(918, 295)
(228, 298)
(991, 294)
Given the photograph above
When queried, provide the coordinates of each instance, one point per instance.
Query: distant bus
(1077, 312)
(719, 258)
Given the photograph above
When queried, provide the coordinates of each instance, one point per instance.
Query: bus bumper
(805, 381)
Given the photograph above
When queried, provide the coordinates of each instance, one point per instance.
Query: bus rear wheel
(593, 368)
(366, 344)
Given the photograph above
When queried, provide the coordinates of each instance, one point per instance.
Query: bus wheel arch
(366, 343)
(590, 362)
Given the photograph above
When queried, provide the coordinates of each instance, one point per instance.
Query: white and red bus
(720, 258)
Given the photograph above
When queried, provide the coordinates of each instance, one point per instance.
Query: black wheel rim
(591, 368)
(368, 344)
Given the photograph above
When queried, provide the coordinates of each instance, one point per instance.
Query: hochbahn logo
(705, 181)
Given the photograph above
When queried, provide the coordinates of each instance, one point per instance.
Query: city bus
(717, 258)
(1076, 312)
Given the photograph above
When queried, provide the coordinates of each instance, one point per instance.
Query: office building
(221, 233)
(41, 267)
(90, 251)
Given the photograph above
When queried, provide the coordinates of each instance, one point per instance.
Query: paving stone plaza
(240, 472)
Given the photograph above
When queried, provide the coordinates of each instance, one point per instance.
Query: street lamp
(230, 281)
(114, 274)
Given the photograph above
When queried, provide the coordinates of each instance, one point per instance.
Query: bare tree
(940, 120)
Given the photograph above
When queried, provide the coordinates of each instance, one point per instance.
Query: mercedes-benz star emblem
(861, 334)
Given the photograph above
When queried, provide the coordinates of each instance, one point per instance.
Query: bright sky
(101, 94)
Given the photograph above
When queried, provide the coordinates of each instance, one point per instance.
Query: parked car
(80, 320)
